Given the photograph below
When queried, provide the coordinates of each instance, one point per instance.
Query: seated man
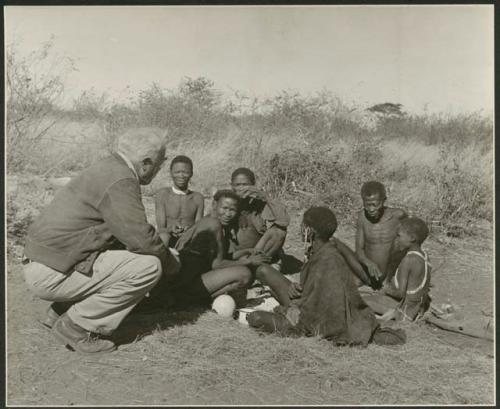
(206, 268)
(376, 230)
(329, 304)
(177, 208)
(262, 228)
(92, 249)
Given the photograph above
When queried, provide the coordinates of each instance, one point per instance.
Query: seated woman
(326, 302)
(206, 270)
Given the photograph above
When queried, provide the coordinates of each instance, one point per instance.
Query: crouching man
(92, 251)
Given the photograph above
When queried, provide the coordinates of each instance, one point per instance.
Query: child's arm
(404, 270)
(372, 267)
(200, 207)
(352, 261)
(243, 252)
(220, 262)
(271, 241)
(276, 210)
(161, 219)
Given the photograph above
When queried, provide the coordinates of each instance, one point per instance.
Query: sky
(434, 58)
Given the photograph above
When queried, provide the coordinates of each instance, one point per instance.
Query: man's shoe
(55, 310)
(51, 318)
(79, 339)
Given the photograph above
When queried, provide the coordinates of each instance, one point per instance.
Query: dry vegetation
(305, 150)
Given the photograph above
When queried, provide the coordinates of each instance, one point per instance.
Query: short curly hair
(322, 220)
(372, 188)
(244, 171)
(181, 159)
(223, 193)
(416, 227)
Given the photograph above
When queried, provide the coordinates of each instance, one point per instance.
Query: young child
(411, 281)
(375, 233)
(177, 208)
(329, 304)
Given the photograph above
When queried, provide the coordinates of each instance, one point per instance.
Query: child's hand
(294, 290)
(389, 315)
(253, 192)
(258, 259)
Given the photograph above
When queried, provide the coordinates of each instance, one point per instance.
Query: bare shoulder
(397, 212)
(413, 262)
(198, 197)
(162, 192)
(208, 222)
(361, 217)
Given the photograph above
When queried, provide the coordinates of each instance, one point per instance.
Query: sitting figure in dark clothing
(326, 303)
(207, 268)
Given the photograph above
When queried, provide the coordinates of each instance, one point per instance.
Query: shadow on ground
(291, 265)
(146, 320)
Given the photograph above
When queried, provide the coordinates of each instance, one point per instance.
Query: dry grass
(196, 357)
(218, 361)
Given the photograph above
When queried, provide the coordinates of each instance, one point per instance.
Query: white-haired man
(92, 249)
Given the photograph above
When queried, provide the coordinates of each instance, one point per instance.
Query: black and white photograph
(218, 205)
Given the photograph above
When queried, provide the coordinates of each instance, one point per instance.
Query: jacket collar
(127, 162)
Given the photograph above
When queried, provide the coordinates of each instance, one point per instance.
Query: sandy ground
(195, 357)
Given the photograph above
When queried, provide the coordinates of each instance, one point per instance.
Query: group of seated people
(93, 254)
(242, 237)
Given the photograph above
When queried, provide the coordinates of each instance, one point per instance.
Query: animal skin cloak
(330, 304)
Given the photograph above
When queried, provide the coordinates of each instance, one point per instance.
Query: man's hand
(373, 270)
(254, 193)
(294, 290)
(177, 230)
(389, 315)
(258, 259)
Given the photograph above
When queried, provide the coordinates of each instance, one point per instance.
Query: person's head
(181, 171)
(241, 178)
(145, 148)
(412, 232)
(373, 195)
(225, 205)
(320, 221)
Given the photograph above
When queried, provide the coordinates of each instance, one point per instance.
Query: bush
(26, 197)
(35, 84)
(310, 150)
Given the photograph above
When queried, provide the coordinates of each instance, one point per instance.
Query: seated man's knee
(244, 276)
(262, 272)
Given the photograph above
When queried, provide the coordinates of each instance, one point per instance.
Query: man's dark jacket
(97, 210)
